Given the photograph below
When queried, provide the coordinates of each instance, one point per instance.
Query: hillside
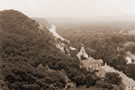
(23, 47)
(30, 59)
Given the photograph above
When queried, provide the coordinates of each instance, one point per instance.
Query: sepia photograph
(67, 44)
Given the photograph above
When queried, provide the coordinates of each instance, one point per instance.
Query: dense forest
(107, 41)
(29, 59)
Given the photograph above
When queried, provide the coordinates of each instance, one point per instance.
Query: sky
(71, 8)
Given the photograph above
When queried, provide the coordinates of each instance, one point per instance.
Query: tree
(113, 78)
(130, 70)
(90, 80)
(102, 84)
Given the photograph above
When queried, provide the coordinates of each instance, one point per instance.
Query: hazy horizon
(72, 8)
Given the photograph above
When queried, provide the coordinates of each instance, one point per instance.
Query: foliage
(113, 78)
(24, 46)
(102, 41)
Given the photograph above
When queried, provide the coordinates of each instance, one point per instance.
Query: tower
(82, 53)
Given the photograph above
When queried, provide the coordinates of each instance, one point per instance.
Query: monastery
(89, 63)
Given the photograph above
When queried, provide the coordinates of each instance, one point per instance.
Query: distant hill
(42, 21)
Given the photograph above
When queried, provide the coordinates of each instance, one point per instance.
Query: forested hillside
(23, 46)
(29, 59)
